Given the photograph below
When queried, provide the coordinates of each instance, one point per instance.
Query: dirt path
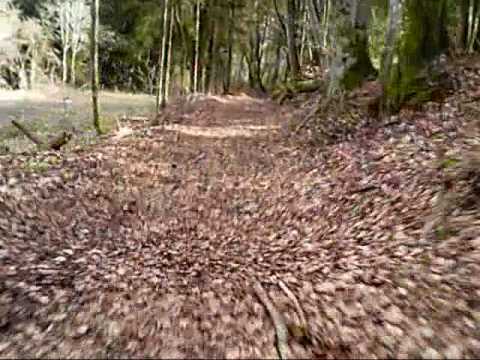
(150, 246)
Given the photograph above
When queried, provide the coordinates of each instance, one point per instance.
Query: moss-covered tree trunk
(352, 64)
(357, 47)
(423, 39)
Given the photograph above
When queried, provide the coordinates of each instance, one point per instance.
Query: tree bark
(73, 75)
(64, 65)
(393, 31)
(169, 60)
(316, 27)
(291, 39)
(163, 56)
(231, 28)
(197, 49)
(462, 33)
(357, 47)
(424, 37)
(94, 13)
(210, 63)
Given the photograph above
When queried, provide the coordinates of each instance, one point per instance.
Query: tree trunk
(473, 24)
(94, 12)
(231, 28)
(316, 27)
(291, 39)
(210, 65)
(166, 89)
(303, 38)
(424, 37)
(462, 32)
(33, 67)
(64, 65)
(163, 56)
(197, 49)
(276, 69)
(357, 49)
(73, 72)
(391, 35)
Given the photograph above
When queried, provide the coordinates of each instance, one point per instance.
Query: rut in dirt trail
(150, 246)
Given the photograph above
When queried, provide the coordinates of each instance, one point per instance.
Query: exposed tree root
(277, 319)
(301, 331)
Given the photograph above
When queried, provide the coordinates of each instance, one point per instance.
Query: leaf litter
(151, 245)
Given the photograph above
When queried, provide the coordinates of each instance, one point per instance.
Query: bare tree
(79, 26)
(64, 16)
(163, 56)
(94, 13)
(169, 58)
(197, 48)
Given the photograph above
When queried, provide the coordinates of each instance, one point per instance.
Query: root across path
(156, 245)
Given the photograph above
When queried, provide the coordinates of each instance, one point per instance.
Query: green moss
(444, 232)
(8, 132)
(423, 39)
(449, 163)
(362, 68)
(36, 166)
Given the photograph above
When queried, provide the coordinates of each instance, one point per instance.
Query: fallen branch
(55, 144)
(27, 133)
(312, 114)
(278, 322)
(364, 189)
(135, 118)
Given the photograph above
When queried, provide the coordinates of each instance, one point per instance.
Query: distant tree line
(175, 47)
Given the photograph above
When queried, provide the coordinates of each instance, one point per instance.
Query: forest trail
(151, 245)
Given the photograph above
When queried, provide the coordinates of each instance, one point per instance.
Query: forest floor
(158, 244)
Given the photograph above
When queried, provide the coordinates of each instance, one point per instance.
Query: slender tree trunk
(94, 12)
(316, 27)
(33, 66)
(182, 72)
(73, 75)
(185, 47)
(473, 24)
(64, 65)
(197, 49)
(228, 73)
(169, 60)
(163, 56)
(326, 21)
(276, 68)
(303, 38)
(210, 65)
(291, 39)
(462, 33)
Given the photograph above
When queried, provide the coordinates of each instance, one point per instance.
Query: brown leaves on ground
(149, 245)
